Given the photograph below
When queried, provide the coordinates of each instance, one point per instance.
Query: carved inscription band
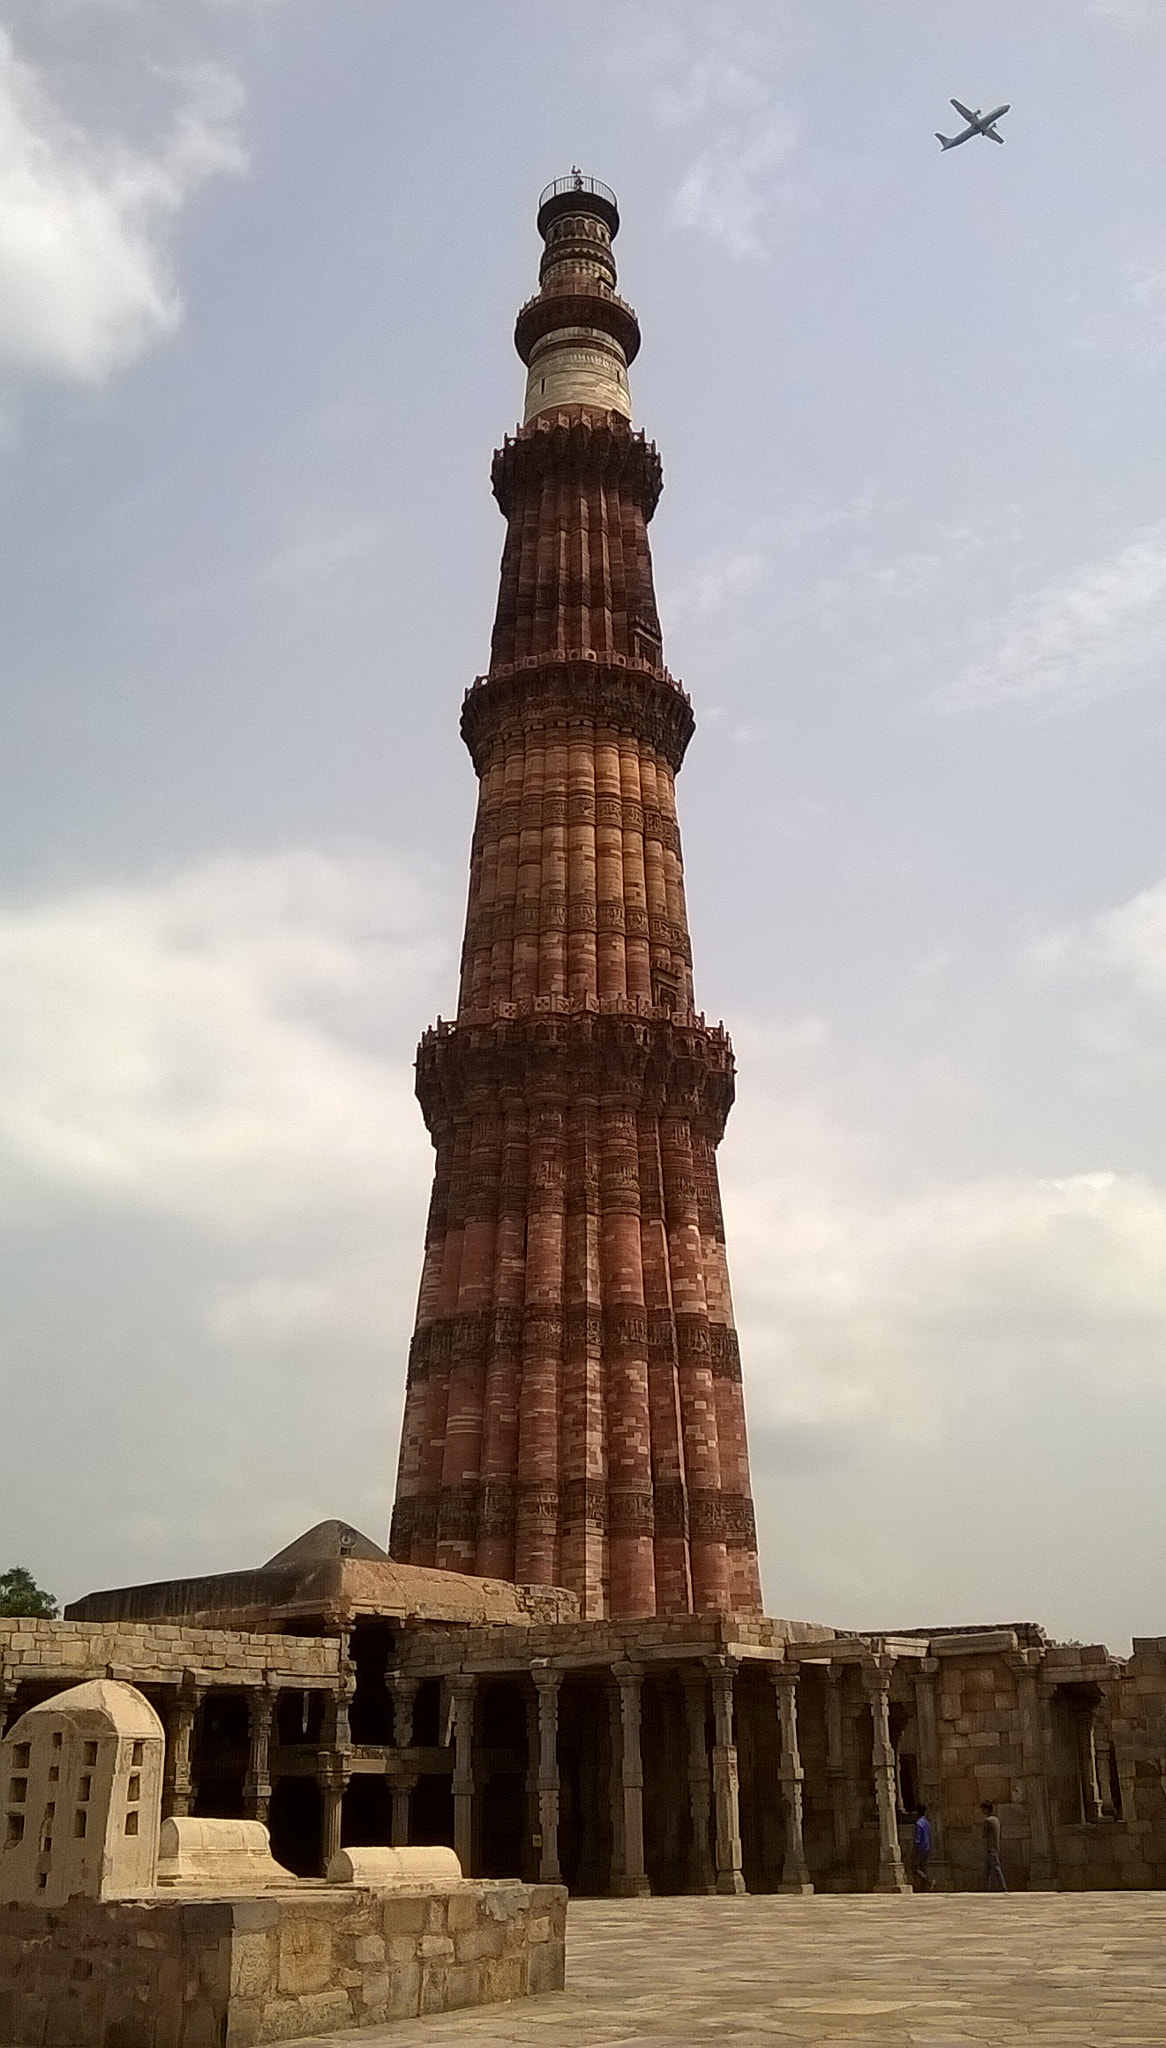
(474, 1335)
(494, 1507)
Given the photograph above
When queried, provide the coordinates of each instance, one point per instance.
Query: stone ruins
(563, 1671)
(226, 1946)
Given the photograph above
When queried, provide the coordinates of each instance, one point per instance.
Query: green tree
(20, 1594)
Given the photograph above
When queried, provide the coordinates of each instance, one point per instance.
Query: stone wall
(1068, 1743)
(185, 1973)
(159, 1653)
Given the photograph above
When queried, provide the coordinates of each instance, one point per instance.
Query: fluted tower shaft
(574, 1410)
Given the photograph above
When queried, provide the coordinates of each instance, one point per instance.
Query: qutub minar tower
(574, 1412)
(586, 1688)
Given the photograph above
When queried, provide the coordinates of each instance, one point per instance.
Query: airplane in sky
(978, 124)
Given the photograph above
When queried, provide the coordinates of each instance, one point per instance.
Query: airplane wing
(996, 137)
(965, 111)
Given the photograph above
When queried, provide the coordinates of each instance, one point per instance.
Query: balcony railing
(577, 183)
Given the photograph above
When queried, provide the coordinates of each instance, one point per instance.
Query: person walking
(921, 1851)
(994, 1879)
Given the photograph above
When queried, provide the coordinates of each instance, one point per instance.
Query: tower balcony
(577, 194)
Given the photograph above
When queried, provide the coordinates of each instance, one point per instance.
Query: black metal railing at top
(577, 183)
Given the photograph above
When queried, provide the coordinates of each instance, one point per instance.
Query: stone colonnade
(711, 1793)
(712, 1788)
(760, 1766)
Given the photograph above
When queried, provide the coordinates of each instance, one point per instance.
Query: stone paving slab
(1047, 1970)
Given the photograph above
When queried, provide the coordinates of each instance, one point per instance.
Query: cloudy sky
(259, 261)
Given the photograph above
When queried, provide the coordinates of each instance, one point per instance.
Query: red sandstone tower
(574, 1413)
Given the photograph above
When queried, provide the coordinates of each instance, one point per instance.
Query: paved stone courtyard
(951, 1971)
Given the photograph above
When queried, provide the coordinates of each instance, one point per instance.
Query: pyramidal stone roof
(325, 1543)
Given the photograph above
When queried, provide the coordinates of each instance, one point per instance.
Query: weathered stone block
(177, 1972)
(472, 1943)
(463, 1909)
(404, 1999)
(436, 1947)
(305, 1956)
(373, 1994)
(250, 1965)
(323, 2010)
(281, 2019)
(402, 1915)
(547, 1968)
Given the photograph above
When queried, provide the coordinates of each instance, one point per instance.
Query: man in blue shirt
(921, 1851)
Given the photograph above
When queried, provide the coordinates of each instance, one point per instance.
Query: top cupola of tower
(576, 336)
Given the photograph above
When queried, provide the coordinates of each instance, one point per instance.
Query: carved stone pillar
(404, 1695)
(1026, 1668)
(461, 1689)
(836, 1773)
(333, 1762)
(332, 1777)
(533, 1855)
(8, 1690)
(177, 1781)
(337, 1732)
(632, 1882)
(257, 1783)
(726, 1799)
(547, 1682)
(403, 1692)
(615, 1781)
(401, 1788)
(695, 1700)
(930, 1771)
(1087, 1765)
(795, 1875)
(877, 1677)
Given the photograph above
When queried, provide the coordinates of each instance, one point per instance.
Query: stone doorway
(295, 1819)
(585, 1786)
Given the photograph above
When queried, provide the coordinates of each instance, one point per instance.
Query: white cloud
(874, 1298)
(85, 280)
(1131, 940)
(213, 1176)
(729, 192)
(1146, 285)
(718, 579)
(1090, 635)
(1125, 945)
(715, 71)
(732, 570)
(1138, 326)
(212, 1045)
